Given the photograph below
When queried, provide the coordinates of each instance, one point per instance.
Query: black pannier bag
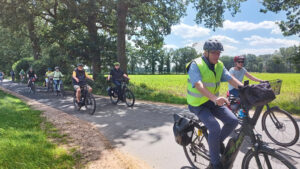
(183, 130)
(256, 95)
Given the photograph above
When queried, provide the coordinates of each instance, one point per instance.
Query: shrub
(23, 63)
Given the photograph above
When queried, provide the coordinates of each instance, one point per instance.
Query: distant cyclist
(48, 76)
(22, 75)
(12, 74)
(1, 76)
(116, 74)
(79, 79)
(57, 75)
(31, 75)
(238, 72)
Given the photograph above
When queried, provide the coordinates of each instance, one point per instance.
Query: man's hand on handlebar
(220, 101)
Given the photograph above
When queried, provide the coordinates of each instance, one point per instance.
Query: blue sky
(250, 31)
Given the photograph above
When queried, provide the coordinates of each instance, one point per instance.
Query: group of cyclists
(79, 78)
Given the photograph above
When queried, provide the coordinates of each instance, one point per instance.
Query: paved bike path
(144, 131)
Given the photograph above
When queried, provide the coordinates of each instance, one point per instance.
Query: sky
(249, 32)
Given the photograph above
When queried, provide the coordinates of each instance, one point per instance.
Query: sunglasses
(240, 62)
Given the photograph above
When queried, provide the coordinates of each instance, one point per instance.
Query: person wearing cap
(116, 75)
(79, 79)
(204, 76)
(47, 76)
(31, 76)
(239, 71)
(57, 75)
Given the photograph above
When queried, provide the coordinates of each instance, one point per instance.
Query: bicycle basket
(275, 85)
(183, 130)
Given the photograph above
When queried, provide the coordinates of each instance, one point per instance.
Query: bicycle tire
(114, 97)
(281, 126)
(33, 88)
(76, 107)
(266, 152)
(62, 91)
(199, 144)
(129, 95)
(90, 100)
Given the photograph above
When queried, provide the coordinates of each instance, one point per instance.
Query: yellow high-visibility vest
(209, 79)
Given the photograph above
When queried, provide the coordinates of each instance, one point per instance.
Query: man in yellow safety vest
(204, 76)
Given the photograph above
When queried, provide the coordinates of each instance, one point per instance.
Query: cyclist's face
(239, 64)
(117, 66)
(80, 67)
(214, 56)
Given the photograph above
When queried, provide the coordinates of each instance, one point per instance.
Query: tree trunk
(94, 46)
(34, 39)
(122, 9)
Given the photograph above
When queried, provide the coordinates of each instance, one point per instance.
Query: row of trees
(166, 61)
(285, 60)
(94, 32)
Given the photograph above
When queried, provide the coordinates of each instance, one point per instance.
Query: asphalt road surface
(144, 131)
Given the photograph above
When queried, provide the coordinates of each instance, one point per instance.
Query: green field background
(172, 88)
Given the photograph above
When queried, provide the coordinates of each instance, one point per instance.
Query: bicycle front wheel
(197, 152)
(114, 96)
(266, 158)
(280, 127)
(90, 104)
(129, 98)
(33, 88)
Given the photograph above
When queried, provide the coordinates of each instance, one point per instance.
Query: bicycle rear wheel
(280, 127)
(268, 158)
(129, 98)
(90, 104)
(197, 152)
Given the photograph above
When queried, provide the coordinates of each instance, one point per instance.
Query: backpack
(183, 130)
(256, 95)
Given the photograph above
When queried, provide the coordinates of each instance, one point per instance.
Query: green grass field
(23, 144)
(172, 88)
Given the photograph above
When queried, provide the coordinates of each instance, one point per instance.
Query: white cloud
(187, 31)
(248, 26)
(276, 31)
(255, 40)
(258, 51)
(224, 39)
(170, 46)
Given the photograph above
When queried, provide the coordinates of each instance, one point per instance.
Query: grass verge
(25, 138)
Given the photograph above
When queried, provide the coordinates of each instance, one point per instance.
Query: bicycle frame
(234, 145)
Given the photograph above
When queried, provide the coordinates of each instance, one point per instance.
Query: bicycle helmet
(213, 44)
(239, 58)
(49, 69)
(116, 63)
(56, 67)
(79, 64)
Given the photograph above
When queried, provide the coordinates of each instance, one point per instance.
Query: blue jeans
(234, 92)
(56, 82)
(118, 84)
(216, 135)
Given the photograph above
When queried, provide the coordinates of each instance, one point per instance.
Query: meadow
(172, 88)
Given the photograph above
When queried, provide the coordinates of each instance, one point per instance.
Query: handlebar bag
(256, 95)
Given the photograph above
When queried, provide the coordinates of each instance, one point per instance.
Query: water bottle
(241, 113)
